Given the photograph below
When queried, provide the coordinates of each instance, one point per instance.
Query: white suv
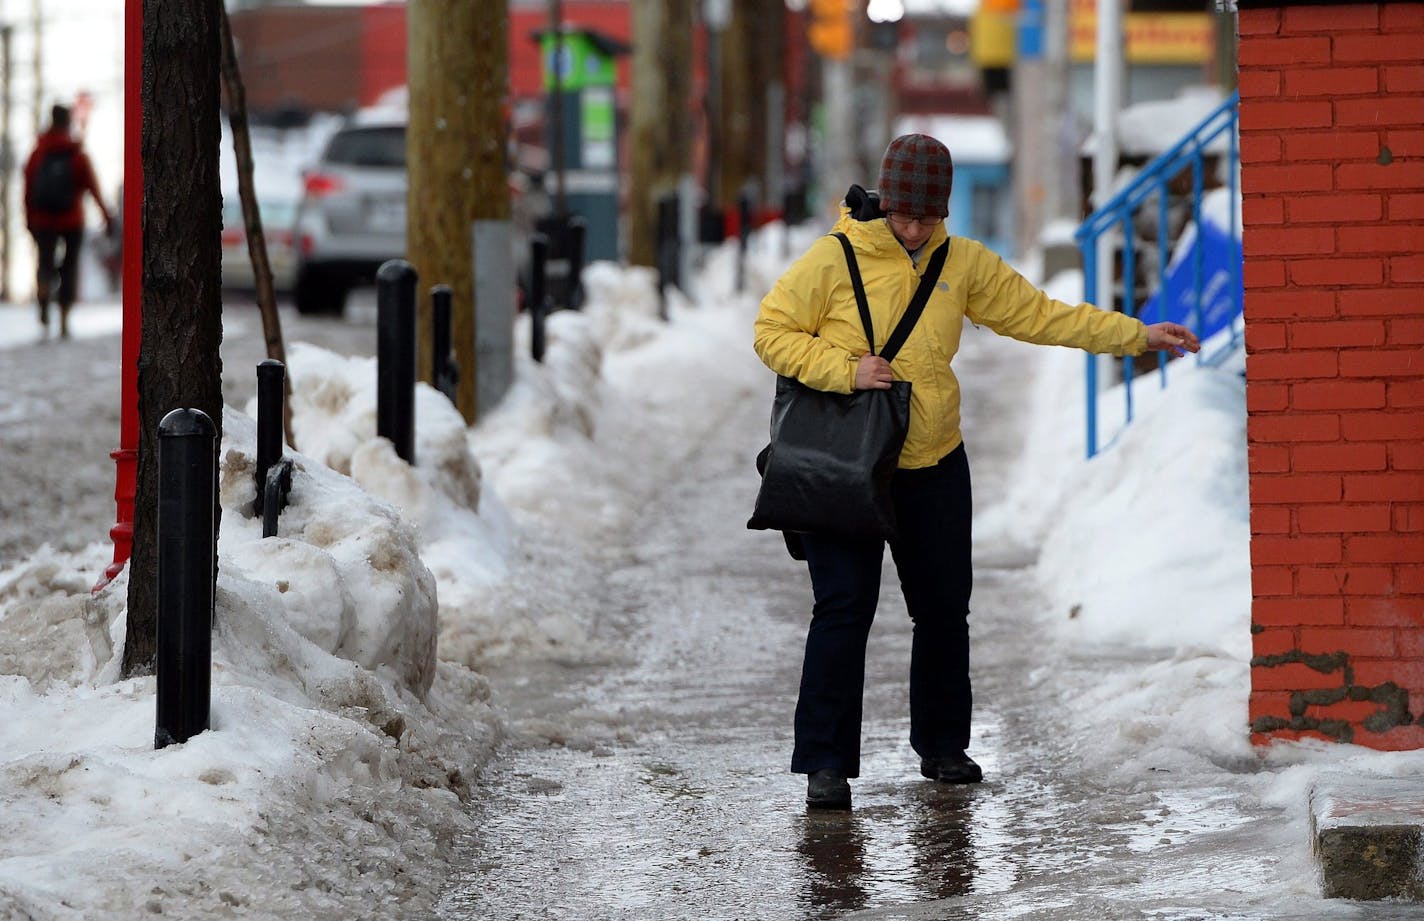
(351, 217)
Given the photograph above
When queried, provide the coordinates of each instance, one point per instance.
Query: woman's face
(912, 230)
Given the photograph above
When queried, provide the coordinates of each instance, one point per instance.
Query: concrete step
(1368, 836)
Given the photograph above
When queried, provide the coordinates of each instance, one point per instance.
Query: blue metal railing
(1118, 213)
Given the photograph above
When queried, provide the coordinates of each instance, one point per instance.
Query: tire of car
(318, 292)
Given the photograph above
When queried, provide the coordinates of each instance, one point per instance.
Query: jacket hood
(876, 237)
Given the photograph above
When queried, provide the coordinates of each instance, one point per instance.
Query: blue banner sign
(1221, 284)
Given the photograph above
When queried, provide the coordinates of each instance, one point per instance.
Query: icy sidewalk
(645, 649)
(19, 323)
(652, 782)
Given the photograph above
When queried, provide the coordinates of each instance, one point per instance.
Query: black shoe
(827, 789)
(955, 767)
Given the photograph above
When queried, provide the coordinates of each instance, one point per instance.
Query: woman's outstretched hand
(1173, 337)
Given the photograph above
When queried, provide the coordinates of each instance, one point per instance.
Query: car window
(368, 147)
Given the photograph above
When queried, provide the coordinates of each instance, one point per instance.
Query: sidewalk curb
(1368, 836)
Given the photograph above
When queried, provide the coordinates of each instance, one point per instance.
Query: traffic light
(832, 28)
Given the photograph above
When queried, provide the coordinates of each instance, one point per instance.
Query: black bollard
(744, 230)
(577, 231)
(187, 563)
(443, 367)
(270, 406)
(554, 229)
(395, 356)
(538, 293)
(668, 250)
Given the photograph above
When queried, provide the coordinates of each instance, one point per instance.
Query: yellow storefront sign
(1152, 38)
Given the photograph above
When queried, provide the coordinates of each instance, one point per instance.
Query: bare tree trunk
(660, 126)
(731, 110)
(179, 364)
(458, 76)
(252, 217)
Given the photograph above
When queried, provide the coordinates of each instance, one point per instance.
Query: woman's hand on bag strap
(872, 373)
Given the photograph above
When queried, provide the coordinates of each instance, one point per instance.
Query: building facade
(1332, 178)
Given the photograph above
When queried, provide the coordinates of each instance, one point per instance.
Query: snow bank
(1154, 567)
(340, 749)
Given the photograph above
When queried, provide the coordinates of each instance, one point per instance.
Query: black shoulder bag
(832, 455)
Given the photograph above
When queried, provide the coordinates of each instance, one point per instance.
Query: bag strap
(912, 313)
(917, 303)
(859, 287)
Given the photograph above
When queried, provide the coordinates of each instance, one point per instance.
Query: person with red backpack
(57, 175)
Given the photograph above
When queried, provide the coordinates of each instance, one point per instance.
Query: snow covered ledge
(1368, 836)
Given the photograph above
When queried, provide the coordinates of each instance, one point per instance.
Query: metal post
(37, 62)
(577, 233)
(556, 107)
(668, 249)
(6, 164)
(716, 14)
(687, 237)
(1090, 285)
(1107, 102)
(187, 563)
(444, 367)
(744, 223)
(270, 376)
(395, 356)
(538, 293)
(131, 222)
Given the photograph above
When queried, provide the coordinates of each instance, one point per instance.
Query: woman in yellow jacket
(809, 328)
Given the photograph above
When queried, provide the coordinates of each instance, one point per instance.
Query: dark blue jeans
(933, 509)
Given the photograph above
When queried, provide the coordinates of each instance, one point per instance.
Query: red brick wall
(1332, 178)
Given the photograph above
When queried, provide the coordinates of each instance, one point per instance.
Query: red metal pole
(126, 457)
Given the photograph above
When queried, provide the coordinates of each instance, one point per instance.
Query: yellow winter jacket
(809, 326)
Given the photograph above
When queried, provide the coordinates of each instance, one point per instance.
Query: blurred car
(352, 214)
(277, 219)
(351, 217)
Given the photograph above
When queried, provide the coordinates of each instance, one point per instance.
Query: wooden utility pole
(741, 102)
(746, 73)
(660, 123)
(179, 363)
(771, 58)
(455, 152)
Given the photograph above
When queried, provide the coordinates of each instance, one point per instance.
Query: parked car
(277, 219)
(351, 217)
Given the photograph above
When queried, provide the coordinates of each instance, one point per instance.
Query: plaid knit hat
(915, 176)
